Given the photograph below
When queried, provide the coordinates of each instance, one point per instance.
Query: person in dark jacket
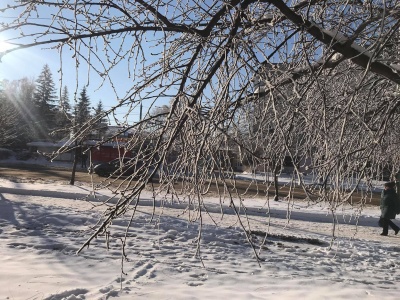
(389, 201)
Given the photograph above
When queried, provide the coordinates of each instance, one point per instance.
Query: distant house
(111, 149)
(106, 151)
(98, 153)
(46, 147)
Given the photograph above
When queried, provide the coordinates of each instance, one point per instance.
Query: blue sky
(29, 63)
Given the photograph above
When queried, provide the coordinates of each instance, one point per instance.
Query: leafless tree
(327, 93)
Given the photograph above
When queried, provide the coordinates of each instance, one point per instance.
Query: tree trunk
(276, 169)
(76, 156)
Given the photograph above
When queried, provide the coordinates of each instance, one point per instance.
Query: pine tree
(101, 126)
(63, 116)
(45, 103)
(20, 93)
(25, 96)
(9, 120)
(64, 101)
(99, 109)
(81, 116)
(82, 108)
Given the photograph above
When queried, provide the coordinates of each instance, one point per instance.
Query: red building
(98, 153)
(107, 151)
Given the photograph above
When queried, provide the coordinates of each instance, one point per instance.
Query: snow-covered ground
(42, 225)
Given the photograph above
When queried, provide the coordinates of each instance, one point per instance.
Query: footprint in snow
(194, 283)
(201, 277)
(147, 268)
(75, 294)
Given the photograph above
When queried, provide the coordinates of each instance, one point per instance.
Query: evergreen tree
(99, 109)
(101, 126)
(63, 116)
(82, 108)
(81, 116)
(25, 95)
(9, 120)
(45, 103)
(64, 101)
(19, 94)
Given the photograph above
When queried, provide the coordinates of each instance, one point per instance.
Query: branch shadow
(279, 213)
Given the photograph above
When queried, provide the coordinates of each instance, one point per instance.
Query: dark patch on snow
(289, 238)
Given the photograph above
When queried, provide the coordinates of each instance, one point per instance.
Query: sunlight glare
(4, 46)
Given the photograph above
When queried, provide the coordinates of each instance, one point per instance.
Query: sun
(4, 46)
